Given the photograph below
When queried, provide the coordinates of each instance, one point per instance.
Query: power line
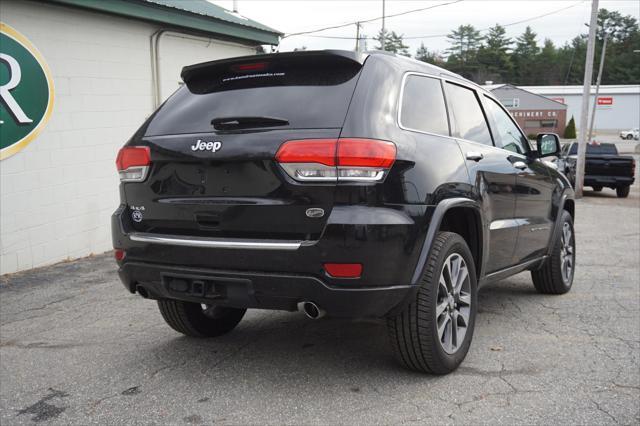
(509, 24)
(370, 20)
(444, 35)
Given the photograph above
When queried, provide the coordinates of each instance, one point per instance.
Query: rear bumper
(259, 290)
(608, 181)
(386, 241)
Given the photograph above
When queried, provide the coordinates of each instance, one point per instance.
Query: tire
(622, 191)
(629, 137)
(597, 188)
(415, 339)
(555, 276)
(192, 319)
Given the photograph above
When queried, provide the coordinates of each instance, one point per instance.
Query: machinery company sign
(534, 114)
(26, 92)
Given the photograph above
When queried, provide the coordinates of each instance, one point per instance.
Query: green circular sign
(26, 92)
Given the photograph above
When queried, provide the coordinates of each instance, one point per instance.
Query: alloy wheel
(567, 256)
(453, 307)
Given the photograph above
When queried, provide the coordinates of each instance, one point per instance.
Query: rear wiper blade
(233, 123)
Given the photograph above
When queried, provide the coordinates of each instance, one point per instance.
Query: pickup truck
(603, 167)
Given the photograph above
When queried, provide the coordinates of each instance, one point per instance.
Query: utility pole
(384, 32)
(595, 99)
(357, 36)
(586, 90)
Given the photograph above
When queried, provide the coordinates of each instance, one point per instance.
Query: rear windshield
(304, 92)
(600, 149)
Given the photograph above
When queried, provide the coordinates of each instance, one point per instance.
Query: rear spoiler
(192, 72)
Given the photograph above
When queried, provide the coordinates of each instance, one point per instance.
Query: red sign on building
(605, 100)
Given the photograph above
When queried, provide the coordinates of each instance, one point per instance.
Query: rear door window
(602, 149)
(423, 106)
(467, 115)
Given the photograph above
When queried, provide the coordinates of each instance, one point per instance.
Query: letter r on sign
(5, 89)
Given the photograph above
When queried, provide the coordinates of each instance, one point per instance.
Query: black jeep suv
(351, 184)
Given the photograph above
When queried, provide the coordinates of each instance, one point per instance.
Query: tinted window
(467, 115)
(423, 105)
(508, 135)
(599, 149)
(307, 92)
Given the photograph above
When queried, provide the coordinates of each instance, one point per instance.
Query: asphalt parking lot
(76, 348)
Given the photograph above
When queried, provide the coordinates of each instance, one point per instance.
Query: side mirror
(548, 144)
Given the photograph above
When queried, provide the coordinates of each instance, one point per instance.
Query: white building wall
(622, 115)
(57, 194)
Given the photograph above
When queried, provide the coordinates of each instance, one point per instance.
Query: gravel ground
(76, 348)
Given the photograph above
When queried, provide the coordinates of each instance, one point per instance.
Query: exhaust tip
(311, 310)
(142, 291)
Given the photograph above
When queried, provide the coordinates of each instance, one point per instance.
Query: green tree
(547, 72)
(570, 130)
(621, 63)
(392, 43)
(465, 42)
(491, 58)
(571, 60)
(423, 54)
(525, 57)
(493, 55)
(619, 28)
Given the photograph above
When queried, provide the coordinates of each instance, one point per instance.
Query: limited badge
(136, 215)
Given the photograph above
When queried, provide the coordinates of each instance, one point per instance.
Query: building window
(549, 123)
(532, 124)
(511, 103)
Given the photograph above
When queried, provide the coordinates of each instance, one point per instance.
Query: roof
(610, 89)
(195, 15)
(606, 89)
(210, 10)
(551, 102)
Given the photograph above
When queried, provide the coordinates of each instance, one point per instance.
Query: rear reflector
(133, 163)
(332, 160)
(343, 270)
(119, 254)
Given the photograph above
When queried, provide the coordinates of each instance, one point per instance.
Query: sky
(304, 15)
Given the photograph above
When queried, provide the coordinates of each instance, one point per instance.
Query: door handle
(520, 165)
(475, 156)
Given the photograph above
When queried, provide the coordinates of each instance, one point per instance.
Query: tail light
(133, 163)
(337, 160)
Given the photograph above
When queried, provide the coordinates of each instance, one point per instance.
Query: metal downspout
(155, 58)
(155, 68)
